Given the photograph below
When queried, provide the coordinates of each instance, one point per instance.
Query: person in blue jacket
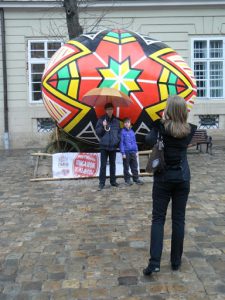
(173, 183)
(108, 131)
(129, 151)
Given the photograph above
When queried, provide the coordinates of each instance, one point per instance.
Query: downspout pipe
(5, 89)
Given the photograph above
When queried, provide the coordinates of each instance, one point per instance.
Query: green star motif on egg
(120, 76)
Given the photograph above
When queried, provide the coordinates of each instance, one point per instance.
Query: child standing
(129, 149)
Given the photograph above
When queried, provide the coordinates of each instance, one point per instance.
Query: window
(208, 63)
(208, 121)
(39, 53)
(45, 124)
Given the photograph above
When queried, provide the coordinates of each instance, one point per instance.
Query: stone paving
(66, 240)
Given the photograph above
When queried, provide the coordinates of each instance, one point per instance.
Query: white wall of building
(22, 25)
(172, 25)
(1, 97)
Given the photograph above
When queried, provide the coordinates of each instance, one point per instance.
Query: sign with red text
(77, 165)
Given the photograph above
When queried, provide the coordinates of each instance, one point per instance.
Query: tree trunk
(72, 18)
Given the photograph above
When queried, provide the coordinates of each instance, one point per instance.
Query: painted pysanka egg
(146, 70)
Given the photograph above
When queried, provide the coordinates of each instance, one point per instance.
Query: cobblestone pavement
(66, 240)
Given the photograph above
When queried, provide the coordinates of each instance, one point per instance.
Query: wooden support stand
(38, 155)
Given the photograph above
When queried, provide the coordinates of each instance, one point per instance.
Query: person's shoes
(128, 182)
(139, 181)
(150, 269)
(100, 187)
(175, 267)
(115, 184)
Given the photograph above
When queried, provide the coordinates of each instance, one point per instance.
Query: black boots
(101, 187)
(115, 184)
(150, 269)
(175, 267)
(153, 269)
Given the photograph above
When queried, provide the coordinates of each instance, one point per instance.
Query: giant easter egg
(146, 70)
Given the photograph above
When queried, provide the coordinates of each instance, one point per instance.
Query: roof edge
(104, 4)
(23, 4)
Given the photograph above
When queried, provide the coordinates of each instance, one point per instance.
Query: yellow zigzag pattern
(153, 111)
(156, 57)
(83, 108)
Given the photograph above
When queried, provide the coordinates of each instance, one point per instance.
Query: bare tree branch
(81, 16)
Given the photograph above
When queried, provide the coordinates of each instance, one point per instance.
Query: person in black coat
(108, 131)
(171, 183)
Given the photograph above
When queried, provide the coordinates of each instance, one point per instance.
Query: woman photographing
(173, 182)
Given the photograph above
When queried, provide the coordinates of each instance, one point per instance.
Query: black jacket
(175, 153)
(109, 140)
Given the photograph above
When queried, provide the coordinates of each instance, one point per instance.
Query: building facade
(31, 31)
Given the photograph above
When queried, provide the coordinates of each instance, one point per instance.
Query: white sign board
(76, 165)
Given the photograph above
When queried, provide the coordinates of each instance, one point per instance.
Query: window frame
(43, 129)
(43, 60)
(208, 60)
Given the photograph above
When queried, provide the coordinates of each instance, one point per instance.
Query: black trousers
(105, 154)
(162, 193)
(130, 161)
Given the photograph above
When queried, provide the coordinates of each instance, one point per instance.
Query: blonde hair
(175, 117)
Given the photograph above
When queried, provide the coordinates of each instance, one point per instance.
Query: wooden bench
(200, 138)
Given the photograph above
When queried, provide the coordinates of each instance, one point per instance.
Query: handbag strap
(159, 136)
(160, 140)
